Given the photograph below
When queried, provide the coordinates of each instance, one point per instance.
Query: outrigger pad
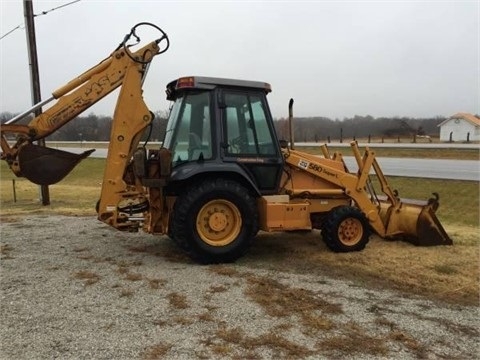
(46, 166)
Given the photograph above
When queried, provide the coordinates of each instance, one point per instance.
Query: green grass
(459, 199)
(88, 173)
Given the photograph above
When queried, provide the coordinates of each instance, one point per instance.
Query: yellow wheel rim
(219, 222)
(350, 231)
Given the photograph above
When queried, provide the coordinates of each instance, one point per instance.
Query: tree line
(312, 129)
(323, 129)
(92, 127)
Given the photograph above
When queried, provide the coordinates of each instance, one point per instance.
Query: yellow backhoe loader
(221, 174)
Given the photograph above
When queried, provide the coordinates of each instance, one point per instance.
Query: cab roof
(209, 83)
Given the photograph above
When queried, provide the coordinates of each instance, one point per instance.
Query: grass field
(449, 273)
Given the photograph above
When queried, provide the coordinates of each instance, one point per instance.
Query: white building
(460, 127)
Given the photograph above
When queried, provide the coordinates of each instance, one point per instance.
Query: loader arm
(389, 217)
(346, 184)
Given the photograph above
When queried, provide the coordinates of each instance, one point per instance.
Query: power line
(20, 26)
(58, 7)
(15, 28)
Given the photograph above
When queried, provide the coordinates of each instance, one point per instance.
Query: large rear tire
(345, 229)
(215, 221)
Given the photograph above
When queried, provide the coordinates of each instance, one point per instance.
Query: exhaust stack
(290, 124)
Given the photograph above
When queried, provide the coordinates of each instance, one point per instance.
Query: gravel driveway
(72, 288)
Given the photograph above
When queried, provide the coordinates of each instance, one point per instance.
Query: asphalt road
(423, 168)
(427, 168)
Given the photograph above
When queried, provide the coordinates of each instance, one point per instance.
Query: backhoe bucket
(46, 166)
(415, 222)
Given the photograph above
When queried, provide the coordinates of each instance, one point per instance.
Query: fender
(187, 171)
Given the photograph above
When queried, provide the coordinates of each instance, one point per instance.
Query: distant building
(460, 127)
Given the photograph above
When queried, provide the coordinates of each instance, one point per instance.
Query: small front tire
(345, 229)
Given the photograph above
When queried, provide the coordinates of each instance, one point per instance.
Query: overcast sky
(335, 58)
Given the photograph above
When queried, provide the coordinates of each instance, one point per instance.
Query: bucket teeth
(46, 166)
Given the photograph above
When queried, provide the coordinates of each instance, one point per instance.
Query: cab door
(249, 138)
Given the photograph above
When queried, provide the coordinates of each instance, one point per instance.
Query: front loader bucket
(46, 166)
(415, 222)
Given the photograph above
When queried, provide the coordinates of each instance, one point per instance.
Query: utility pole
(34, 77)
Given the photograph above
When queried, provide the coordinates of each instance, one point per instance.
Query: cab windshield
(188, 134)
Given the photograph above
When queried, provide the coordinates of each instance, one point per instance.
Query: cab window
(246, 128)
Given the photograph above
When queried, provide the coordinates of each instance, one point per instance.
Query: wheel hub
(350, 231)
(219, 222)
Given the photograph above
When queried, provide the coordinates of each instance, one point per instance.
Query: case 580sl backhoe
(221, 174)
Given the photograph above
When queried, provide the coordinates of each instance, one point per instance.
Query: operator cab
(223, 125)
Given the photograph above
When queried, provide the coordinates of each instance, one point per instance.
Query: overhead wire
(55, 8)
(15, 28)
(22, 25)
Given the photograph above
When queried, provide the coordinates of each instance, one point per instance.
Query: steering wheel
(238, 144)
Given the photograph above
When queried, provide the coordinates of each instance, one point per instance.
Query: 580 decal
(306, 165)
